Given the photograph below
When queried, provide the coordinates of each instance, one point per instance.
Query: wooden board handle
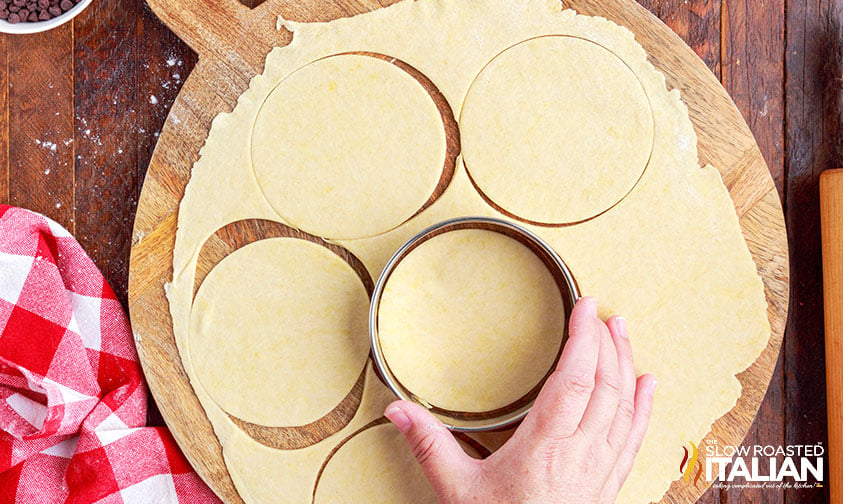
(831, 210)
(205, 25)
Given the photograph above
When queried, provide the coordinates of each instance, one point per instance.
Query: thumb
(438, 452)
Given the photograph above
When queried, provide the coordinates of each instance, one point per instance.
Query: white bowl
(40, 26)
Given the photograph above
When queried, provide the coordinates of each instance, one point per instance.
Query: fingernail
(652, 388)
(398, 418)
(621, 322)
(590, 305)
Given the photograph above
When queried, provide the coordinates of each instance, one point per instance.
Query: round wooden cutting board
(233, 41)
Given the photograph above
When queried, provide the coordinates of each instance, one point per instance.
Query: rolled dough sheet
(471, 307)
(332, 152)
(375, 466)
(562, 119)
(280, 343)
(670, 256)
(263, 474)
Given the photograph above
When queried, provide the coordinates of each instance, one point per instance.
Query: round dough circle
(471, 321)
(349, 146)
(375, 466)
(556, 130)
(278, 332)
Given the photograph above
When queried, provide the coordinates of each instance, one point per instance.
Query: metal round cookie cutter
(508, 415)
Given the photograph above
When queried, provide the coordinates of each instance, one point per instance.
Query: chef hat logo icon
(690, 461)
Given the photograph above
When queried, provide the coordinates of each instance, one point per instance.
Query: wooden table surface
(82, 106)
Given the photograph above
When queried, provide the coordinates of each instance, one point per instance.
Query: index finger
(560, 405)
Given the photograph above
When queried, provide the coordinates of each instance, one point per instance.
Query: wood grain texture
(752, 73)
(106, 151)
(752, 66)
(4, 117)
(831, 210)
(814, 65)
(229, 56)
(43, 128)
(697, 23)
(163, 64)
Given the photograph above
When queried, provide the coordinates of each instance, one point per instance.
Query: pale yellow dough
(471, 307)
(375, 466)
(280, 342)
(670, 256)
(332, 152)
(562, 119)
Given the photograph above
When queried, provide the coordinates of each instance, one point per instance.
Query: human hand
(577, 444)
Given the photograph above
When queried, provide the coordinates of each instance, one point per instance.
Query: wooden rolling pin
(831, 211)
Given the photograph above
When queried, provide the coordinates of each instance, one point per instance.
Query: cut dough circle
(334, 153)
(471, 321)
(556, 130)
(278, 332)
(375, 466)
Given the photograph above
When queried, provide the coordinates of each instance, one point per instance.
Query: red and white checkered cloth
(72, 396)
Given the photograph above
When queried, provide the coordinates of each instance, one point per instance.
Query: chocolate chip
(18, 11)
